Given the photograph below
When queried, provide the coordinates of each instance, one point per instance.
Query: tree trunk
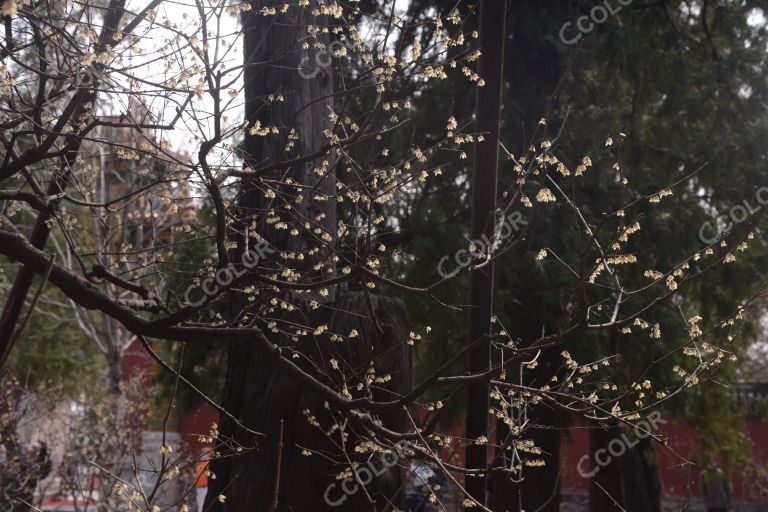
(257, 395)
(254, 392)
(533, 73)
(630, 480)
(484, 178)
(540, 489)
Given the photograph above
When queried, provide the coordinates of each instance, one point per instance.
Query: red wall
(749, 483)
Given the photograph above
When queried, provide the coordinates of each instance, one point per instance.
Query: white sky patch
(174, 53)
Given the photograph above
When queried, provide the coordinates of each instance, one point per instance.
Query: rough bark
(254, 391)
(261, 399)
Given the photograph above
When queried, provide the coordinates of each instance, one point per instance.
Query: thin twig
(276, 493)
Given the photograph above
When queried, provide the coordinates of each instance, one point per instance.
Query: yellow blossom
(9, 8)
(545, 196)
